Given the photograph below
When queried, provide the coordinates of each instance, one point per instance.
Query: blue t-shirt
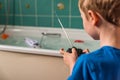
(102, 64)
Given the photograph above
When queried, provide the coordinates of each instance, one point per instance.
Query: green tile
(2, 20)
(64, 21)
(44, 7)
(28, 7)
(74, 8)
(6, 4)
(2, 7)
(45, 21)
(63, 12)
(10, 7)
(25, 14)
(76, 23)
(17, 20)
(11, 20)
(28, 21)
(16, 7)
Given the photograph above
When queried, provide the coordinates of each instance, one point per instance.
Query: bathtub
(50, 40)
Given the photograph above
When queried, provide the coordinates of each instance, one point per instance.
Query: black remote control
(79, 51)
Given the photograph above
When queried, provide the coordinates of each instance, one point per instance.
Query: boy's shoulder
(103, 53)
(92, 54)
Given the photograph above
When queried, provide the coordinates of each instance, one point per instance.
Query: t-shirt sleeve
(80, 70)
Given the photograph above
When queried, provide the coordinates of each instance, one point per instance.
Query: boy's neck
(110, 36)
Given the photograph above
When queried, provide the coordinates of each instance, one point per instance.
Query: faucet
(51, 34)
(45, 34)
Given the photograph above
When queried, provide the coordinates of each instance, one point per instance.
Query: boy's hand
(70, 58)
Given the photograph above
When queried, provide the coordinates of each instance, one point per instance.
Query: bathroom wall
(40, 13)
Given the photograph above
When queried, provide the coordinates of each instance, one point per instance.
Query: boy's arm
(80, 70)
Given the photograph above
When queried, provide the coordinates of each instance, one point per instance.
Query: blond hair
(108, 9)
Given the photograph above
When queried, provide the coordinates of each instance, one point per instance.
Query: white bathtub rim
(30, 50)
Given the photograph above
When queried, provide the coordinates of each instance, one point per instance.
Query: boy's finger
(74, 50)
(62, 51)
(86, 51)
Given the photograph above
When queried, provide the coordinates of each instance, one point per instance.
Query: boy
(101, 20)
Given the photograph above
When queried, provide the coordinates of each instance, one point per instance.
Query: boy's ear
(93, 17)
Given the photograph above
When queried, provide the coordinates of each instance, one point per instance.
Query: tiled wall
(40, 13)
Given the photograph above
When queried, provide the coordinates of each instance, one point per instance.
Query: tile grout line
(20, 7)
(36, 16)
(42, 16)
(70, 15)
(52, 4)
(5, 2)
